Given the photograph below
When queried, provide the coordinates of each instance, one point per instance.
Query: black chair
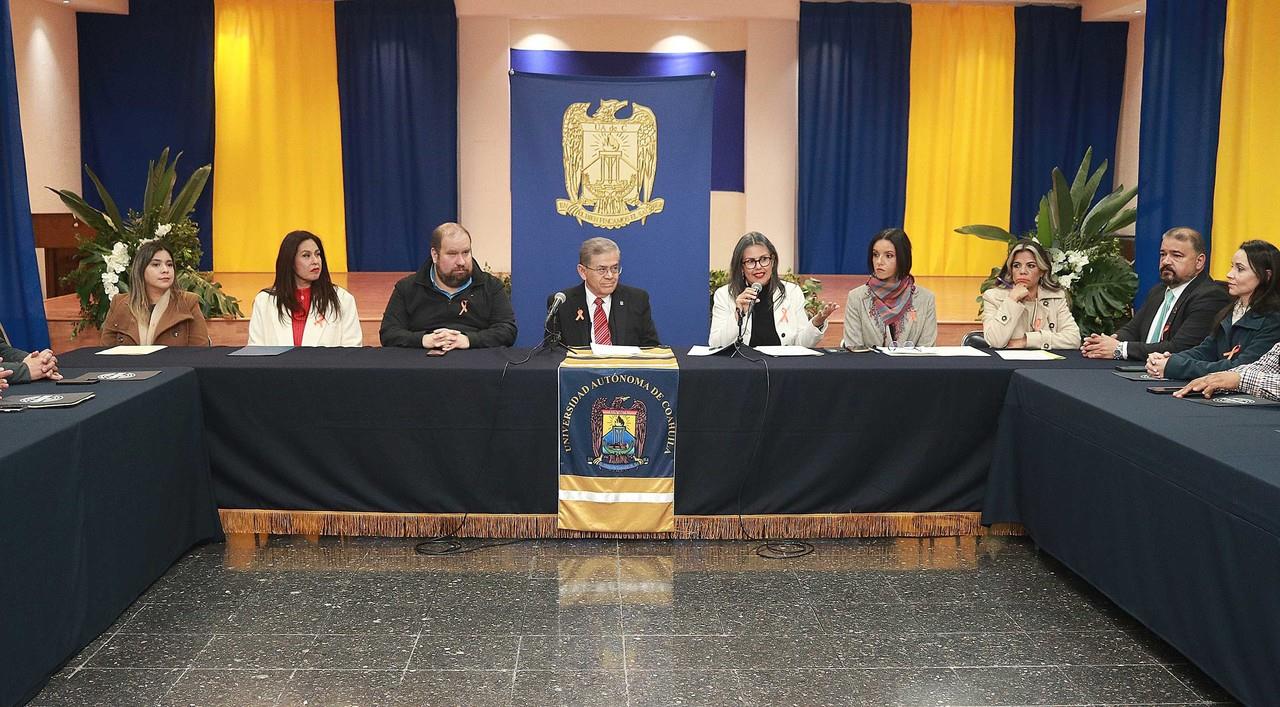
(975, 339)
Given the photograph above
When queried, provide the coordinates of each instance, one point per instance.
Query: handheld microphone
(742, 318)
(551, 311)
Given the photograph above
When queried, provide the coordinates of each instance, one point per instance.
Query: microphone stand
(552, 337)
(738, 346)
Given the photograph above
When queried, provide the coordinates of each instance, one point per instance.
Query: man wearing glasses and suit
(602, 310)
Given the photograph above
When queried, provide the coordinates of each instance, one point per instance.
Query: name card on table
(130, 350)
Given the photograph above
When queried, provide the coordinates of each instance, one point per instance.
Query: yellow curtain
(1247, 182)
(960, 135)
(278, 144)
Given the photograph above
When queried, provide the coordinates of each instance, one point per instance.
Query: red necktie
(600, 324)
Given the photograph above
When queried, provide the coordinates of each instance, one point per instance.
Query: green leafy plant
(103, 261)
(1080, 236)
(810, 286)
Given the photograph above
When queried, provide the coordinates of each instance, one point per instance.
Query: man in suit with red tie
(1178, 313)
(602, 310)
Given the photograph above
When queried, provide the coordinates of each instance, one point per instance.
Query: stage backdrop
(339, 118)
(931, 117)
(564, 138)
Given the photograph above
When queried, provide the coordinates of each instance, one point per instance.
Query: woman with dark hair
(153, 311)
(1245, 329)
(1027, 309)
(303, 307)
(771, 314)
(891, 309)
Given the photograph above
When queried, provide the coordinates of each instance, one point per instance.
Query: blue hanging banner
(626, 159)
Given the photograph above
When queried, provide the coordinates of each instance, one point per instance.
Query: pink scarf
(889, 303)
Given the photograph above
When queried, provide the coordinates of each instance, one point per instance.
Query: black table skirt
(98, 501)
(394, 430)
(1170, 508)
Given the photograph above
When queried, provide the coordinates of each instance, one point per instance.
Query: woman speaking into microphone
(767, 310)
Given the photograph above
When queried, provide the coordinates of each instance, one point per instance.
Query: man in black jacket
(602, 310)
(449, 303)
(1178, 313)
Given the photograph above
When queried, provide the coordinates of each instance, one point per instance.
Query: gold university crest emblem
(609, 164)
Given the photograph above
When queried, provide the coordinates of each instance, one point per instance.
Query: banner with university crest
(618, 444)
(623, 158)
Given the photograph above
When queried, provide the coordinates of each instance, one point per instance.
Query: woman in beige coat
(1027, 309)
(153, 311)
(891, 308)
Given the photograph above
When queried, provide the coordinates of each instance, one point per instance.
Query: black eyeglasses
(763, 261)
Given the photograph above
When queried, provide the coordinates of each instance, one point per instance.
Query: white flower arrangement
(1068, 265)
(110, 282)
(162, 230)
(115, 262)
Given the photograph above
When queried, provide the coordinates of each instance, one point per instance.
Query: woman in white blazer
(771, 314)
(303, 307)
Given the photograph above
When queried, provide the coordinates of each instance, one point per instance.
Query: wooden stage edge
(956, 299)
(486, 525)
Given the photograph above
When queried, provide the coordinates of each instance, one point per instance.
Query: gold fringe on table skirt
(489, 525)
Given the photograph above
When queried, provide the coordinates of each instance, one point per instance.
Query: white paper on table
(706, 350)
(905, 351)
(130, 350)
(1028, 355)
(608, 350)
(786, 351)
(955, 351)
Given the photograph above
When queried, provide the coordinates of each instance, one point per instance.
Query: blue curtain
(855, 75)
(1181, 102)
(1067, 89)
(398, 88)
(21, 306)
(146, 83)
(727, 129)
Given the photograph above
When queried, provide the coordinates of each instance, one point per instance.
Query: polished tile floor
(330, 621)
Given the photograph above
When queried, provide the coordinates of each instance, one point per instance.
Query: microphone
(742, 318)
(551, 311)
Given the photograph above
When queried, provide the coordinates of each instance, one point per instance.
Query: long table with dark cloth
(394, 430)
(98, 500)
(1169, 507)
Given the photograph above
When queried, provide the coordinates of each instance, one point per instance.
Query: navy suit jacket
(1188, 323)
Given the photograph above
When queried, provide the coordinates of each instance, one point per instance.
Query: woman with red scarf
(891, 309)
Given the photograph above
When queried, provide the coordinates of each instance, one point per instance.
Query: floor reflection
(292, 620)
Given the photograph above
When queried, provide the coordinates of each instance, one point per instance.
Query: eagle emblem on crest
(609, 164)
(618, 433)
